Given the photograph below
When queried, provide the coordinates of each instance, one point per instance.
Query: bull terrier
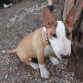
(54, 39)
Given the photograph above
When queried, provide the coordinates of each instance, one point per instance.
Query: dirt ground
(16, 22)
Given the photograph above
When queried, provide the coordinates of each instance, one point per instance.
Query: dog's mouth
(65, 56)
(60, 57)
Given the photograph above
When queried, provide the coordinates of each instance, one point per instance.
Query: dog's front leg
(53, 59)
(43, 70)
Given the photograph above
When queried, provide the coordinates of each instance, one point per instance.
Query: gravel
(12, 70)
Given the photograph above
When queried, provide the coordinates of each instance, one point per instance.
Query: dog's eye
(54, 35)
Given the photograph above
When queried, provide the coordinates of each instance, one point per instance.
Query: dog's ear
(70, 19)
(48, 18)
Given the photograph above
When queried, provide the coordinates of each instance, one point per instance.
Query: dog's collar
(46, 37)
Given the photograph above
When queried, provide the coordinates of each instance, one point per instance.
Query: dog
(54, 39)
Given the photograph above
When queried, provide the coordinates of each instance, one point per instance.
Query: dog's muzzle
(61, 47)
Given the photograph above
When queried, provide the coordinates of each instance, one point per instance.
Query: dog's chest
(48, 50)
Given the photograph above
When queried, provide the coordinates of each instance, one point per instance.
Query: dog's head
(59, 32)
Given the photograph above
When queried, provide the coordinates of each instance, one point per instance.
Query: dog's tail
(9, 51)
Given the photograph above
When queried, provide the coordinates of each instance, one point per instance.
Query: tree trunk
(77, 38)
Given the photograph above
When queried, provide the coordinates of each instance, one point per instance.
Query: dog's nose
(64, 56)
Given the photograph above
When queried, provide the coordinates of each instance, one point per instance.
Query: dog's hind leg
(34, 65)
(27, 60)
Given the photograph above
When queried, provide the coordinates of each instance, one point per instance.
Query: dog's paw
(34, 65)
(54, 60)
(44, 73)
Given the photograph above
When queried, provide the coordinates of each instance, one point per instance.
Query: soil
(18, 21)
